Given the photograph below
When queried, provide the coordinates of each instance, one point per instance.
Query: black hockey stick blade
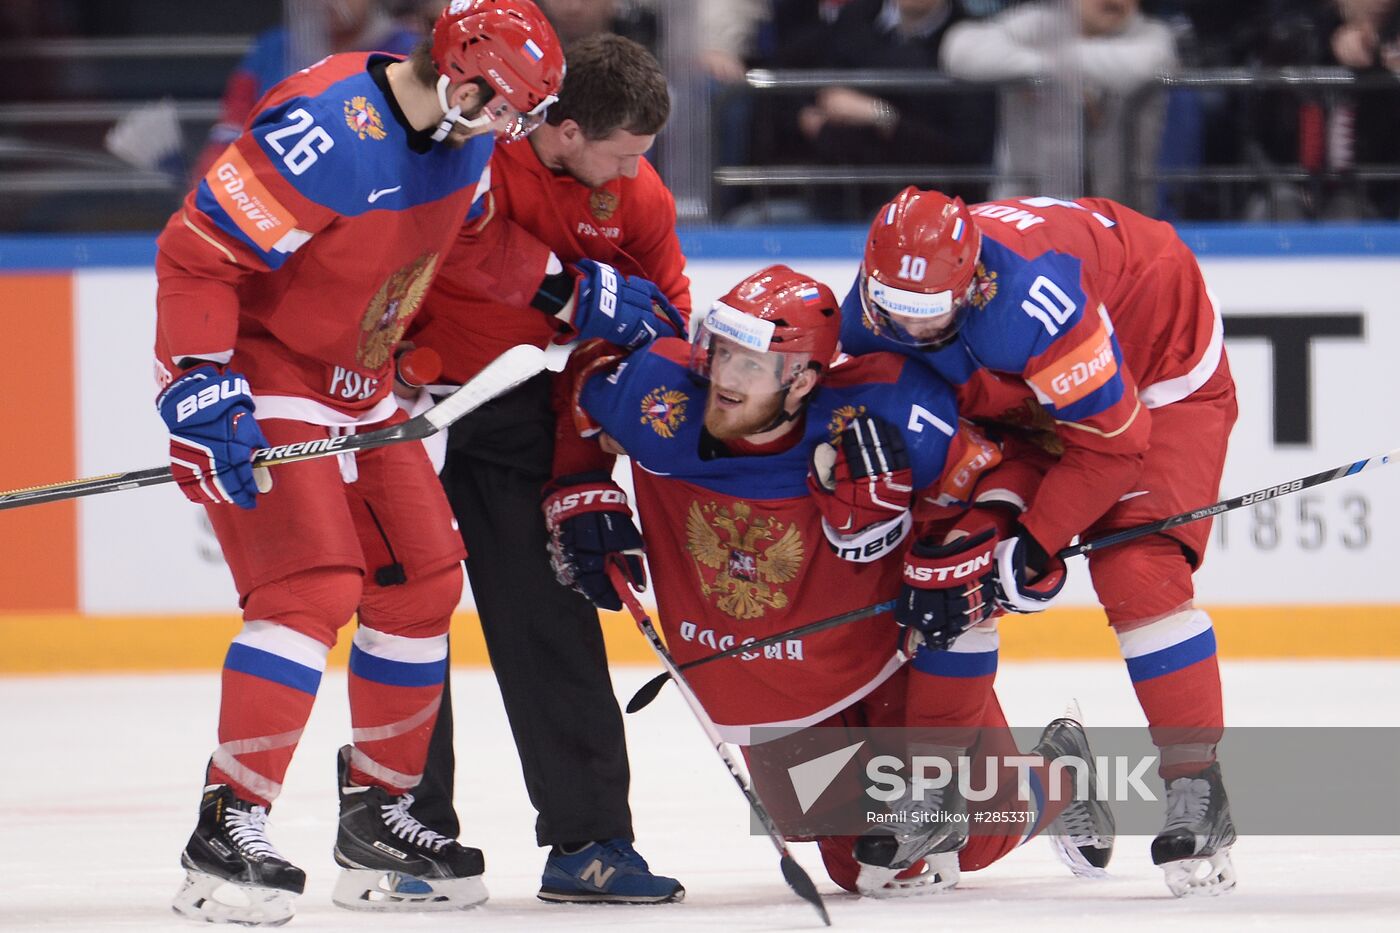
(652, 688)
(801, 882)
(501, 375)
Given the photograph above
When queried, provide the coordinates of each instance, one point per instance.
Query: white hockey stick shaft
(501, 375)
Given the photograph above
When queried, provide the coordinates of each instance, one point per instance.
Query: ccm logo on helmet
(966, 568)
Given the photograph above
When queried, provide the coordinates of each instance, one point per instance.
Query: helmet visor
(919, 319)
(730, 350)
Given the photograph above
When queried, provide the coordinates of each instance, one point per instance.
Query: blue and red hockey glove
(948, 588)
(589, 522)
(628, 311)
(213, 435)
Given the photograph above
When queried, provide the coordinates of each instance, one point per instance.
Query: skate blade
(1074, 860)
(1201, 877)
(212, 899)
(940, 874)
(365, 889)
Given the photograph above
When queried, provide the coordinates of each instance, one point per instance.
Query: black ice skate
(232, 872)
(1194, 847)
(1082, 835)
(933, 828)
(393, 862)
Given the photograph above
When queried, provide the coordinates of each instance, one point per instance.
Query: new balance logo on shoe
(596, 875)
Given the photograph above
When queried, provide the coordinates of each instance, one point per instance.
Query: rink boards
(135, 580)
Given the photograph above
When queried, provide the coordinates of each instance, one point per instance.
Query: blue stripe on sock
(396, 673)
(258, 663)
(955, 663)
(1172, 658)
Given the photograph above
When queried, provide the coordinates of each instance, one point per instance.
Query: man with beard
(777, 485)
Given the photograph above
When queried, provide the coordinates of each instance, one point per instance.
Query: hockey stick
(793, 873)
(651, 688)
(503, 374)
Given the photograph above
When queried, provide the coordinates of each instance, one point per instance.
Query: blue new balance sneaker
(607, 872)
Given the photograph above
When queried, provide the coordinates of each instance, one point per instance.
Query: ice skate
(607, 872)
(933, 829)
(391, 861)
(1194, 846)
(232, 872)
(1082, 835)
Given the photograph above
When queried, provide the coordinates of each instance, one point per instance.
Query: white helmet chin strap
(452, 116)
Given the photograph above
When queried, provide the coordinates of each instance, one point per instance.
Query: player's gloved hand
(629, 312)
(863, 486)
(589, 521)
(213, 436)
(947, 587)
(1027, 578)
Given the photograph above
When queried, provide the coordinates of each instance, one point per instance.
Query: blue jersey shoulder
(1027, 303)
(343, 149)
(910, 397)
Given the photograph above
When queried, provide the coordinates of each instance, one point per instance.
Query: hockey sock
(1028, 797)
(949, 689)
(1175, 673)
(270, 678)
(395, 691)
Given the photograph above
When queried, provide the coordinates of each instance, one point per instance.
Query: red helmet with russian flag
(919, 268)
(781, 320)
(512, 48)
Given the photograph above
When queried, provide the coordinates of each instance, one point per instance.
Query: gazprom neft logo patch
(810, 779)
(744, 329)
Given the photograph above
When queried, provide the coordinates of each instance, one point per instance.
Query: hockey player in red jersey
(743, 545)
(285, 282)
(1089, 327)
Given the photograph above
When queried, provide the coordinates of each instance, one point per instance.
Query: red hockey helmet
(784, 322)
(510, 46)
(919, 267)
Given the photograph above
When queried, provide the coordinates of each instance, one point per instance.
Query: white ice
(99, 784)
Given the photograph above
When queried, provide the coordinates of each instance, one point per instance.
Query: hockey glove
(629, 312)
(589, 521)
(863, 486)
(213, 436)
(1027, 578)
(947, 588)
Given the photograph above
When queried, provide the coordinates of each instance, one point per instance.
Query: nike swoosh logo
(1133, 495)
(380, 192)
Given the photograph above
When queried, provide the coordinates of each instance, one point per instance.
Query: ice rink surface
(99, 786)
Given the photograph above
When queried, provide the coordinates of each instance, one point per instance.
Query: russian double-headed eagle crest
(663, 410)
(841, 419)
(362, 118)
(603, 203)
(384, 321)
(743, 561)
(984, 286)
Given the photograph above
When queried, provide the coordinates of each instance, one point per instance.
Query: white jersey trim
(295, 408)
(743, 735)
(1175, 389)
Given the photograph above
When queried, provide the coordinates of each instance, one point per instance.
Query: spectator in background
(1359, 126)
(349, 26)
(1114, 50)
(845, 126)
(578, 19)
(728, 30)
